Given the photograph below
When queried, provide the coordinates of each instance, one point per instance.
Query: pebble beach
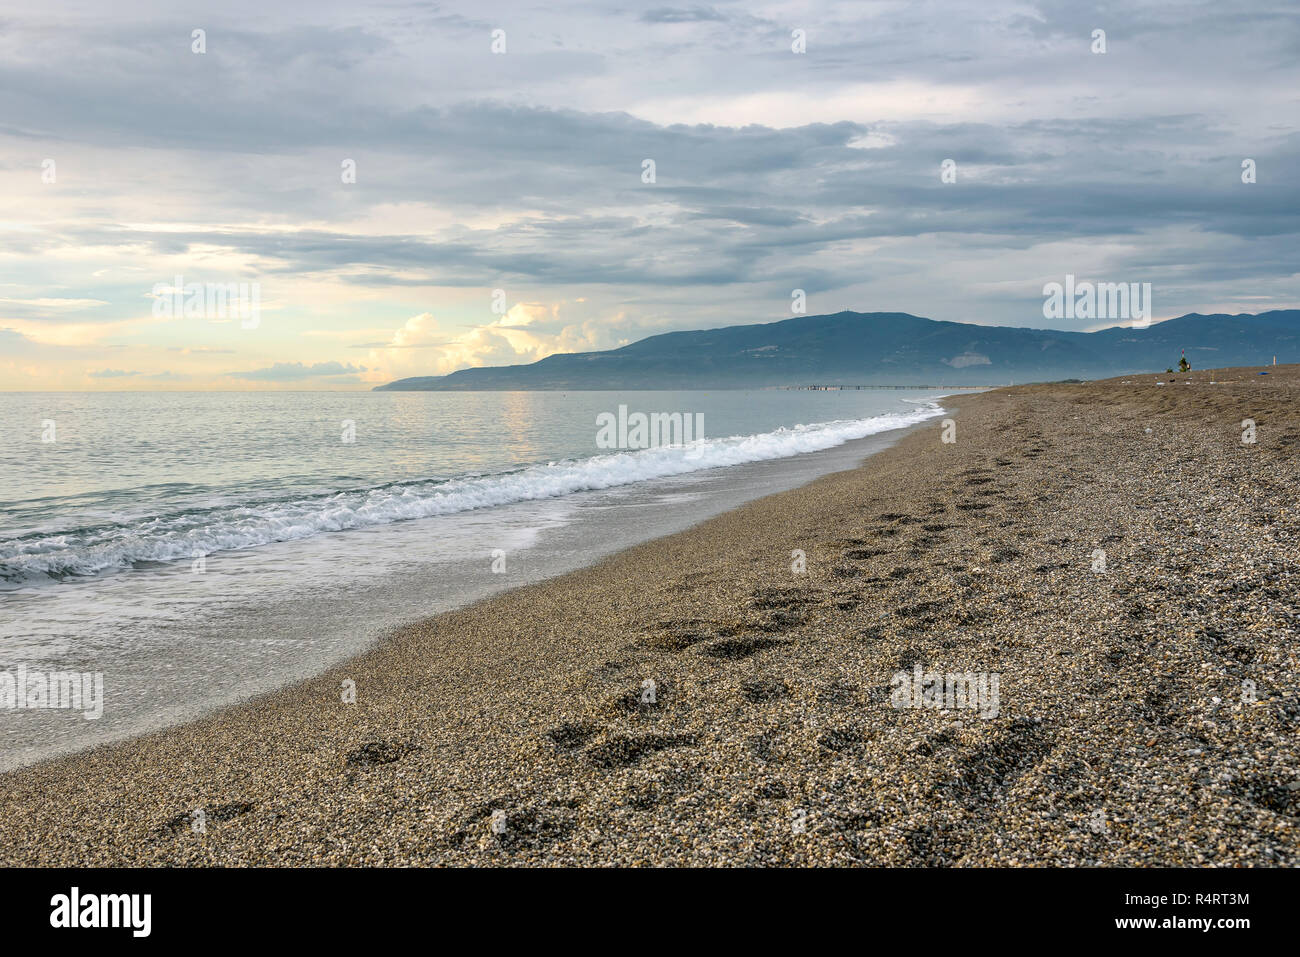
(1110, 569)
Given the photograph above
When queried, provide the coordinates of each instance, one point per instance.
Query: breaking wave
(194, 532)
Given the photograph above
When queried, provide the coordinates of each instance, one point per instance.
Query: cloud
(56, 303)
(111, 374)
(418, 332)
(680, 15)
(775, 171)
(526, 332)
(11, 340)
(293, 371)
(76, 333)
(525, 314)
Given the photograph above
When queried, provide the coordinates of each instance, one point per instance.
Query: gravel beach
(1109, 570)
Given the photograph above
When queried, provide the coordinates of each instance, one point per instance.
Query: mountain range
(889, 348)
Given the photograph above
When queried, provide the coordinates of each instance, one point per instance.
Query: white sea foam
(204, 531)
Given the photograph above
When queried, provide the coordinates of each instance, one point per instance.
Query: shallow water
(202, 547)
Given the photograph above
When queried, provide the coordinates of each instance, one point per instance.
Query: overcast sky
(128, 159)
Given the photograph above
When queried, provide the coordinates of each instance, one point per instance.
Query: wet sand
(1111, 557)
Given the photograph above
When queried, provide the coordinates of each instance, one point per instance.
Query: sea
(188, 550)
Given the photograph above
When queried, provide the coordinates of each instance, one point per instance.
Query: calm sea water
(196, 548)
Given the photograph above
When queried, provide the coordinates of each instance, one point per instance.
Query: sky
(415, 188)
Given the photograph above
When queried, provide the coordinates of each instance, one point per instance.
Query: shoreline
(541, 539)
(769, 736)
